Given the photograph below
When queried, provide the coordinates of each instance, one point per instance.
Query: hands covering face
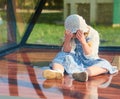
(79, 35)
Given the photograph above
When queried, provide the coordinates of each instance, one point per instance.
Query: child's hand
(86, 47)
(68, 35)
(81, 37)
(66, 44)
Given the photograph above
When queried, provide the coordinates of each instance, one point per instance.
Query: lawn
(109, 36)
(49, 30)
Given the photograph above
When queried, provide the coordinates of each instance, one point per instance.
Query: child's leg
(58, 67)
(95, 70)
(55, 73)
(91, 71)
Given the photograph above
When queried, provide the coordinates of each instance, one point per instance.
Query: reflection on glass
(14, 19)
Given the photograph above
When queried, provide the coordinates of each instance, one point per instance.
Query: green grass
(46, 31)
(109, 36)
(49, 30)
(53, 34)
(47, 34)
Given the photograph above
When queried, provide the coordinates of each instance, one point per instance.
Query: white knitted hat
(75, 22)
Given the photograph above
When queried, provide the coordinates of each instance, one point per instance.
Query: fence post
(116, 13)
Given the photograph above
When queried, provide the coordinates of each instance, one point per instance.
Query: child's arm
(67, 44)
(86, 47)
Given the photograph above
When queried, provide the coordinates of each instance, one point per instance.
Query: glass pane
(24, 10)
(49, 29)
(14, 19)
(7, 25)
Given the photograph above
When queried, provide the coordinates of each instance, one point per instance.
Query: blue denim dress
(79, 62)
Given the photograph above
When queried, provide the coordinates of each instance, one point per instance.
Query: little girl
(79, 54)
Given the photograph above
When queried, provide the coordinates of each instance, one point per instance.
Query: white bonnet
(75, 22)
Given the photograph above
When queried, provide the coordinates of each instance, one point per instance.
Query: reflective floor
(21, 78)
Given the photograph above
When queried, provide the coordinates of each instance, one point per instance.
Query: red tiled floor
(21, 76)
